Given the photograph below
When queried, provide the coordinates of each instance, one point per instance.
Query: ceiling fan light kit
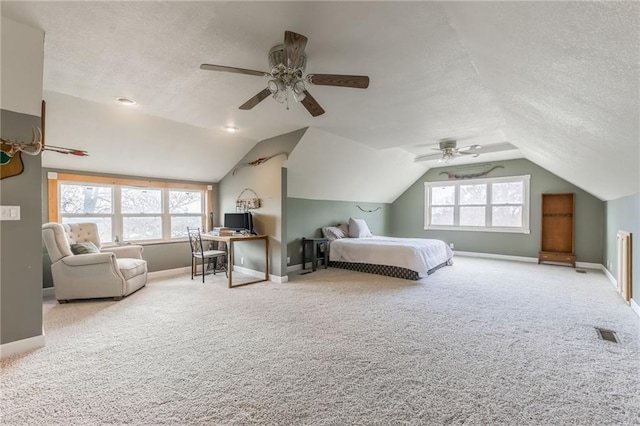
(288, 63)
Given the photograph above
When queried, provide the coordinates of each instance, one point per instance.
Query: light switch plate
(9, 212)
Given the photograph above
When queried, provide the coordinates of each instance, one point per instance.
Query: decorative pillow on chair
(358, 229)
(84, 248)
(333, 233)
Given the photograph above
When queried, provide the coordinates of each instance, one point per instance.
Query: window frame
(56, 179)
(526, 205)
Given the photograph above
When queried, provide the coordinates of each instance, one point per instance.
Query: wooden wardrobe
(557, 235)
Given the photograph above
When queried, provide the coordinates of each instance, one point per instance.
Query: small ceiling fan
(450, 151)
(288, 63)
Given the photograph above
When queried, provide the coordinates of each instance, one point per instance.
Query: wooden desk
(230, 240)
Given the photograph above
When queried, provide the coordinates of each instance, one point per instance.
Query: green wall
(20, 271)
(305, 218)
(407, 216)
(623, 214)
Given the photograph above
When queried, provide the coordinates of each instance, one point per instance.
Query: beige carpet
(481, 342)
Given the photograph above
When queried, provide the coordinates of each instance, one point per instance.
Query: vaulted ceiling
(557, 80)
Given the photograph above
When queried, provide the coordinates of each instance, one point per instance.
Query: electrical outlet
(288, 260)
(451, 245)
(242, 260)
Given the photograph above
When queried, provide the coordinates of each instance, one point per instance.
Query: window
(493, 204)
(126, 209)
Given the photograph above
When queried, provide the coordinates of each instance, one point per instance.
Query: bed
(409, 258)
(353, 246)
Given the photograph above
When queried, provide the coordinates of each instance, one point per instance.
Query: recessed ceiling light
(231, 129)
(126, 101)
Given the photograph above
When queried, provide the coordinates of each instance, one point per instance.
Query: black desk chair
(197, 252)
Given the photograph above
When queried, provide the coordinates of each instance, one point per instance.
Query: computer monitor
(239, 221)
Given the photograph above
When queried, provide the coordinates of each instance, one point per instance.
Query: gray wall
(407, 216)
(266, 180)
(20, 270)
(159, 256)
(623, 214)
(305, 218)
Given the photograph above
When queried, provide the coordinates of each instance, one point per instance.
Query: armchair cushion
(130, 268)
(84, 248)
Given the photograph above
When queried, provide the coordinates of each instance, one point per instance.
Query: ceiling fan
(288, 63)
(449, 150)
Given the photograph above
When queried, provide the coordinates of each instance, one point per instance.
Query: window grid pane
(141, 228)
(443, 195)
(179, 225)
(85, 199)
(473, 194)
(185, 202)
(473, 216)
(442, 215)
(141, 201)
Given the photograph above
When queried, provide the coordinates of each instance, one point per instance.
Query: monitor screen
(238, 221)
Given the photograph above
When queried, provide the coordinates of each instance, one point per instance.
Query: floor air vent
(581, 271)
(609, 335)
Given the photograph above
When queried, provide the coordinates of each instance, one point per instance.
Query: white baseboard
(635, 307)
(496, 256)
(586, 265)
(589, 265)
(611, 277)
(260, 274)
(293, 268)
(48, 292)
(166, 273)
(21, 346)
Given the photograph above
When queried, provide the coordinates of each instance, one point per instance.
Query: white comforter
(417, 254)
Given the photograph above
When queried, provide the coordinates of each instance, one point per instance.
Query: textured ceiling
(558, 80)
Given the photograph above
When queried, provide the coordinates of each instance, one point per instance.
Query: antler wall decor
(258, 161)
(451, 175)
(10, 161)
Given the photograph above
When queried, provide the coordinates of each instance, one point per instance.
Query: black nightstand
(315, 244)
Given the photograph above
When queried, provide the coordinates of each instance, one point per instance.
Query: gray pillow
(84, 248)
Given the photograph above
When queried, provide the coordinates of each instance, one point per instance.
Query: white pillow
(358, 229)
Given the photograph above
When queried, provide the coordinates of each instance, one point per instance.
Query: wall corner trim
(22, 346)
(635, 307)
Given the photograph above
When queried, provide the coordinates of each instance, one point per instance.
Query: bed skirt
(387, 270)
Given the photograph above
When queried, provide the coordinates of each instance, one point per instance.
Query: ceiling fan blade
(294, 45)
(355, 81)
(475, 154)
(468, 148)
(209, 67)
(256, 99)
(312, 105)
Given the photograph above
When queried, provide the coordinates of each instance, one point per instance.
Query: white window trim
(526, 205)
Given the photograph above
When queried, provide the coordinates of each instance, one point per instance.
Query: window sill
(146, 243)
(478, 229)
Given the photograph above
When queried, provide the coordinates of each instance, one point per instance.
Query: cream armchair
(113, 272)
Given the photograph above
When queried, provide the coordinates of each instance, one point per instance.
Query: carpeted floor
(481, 342)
